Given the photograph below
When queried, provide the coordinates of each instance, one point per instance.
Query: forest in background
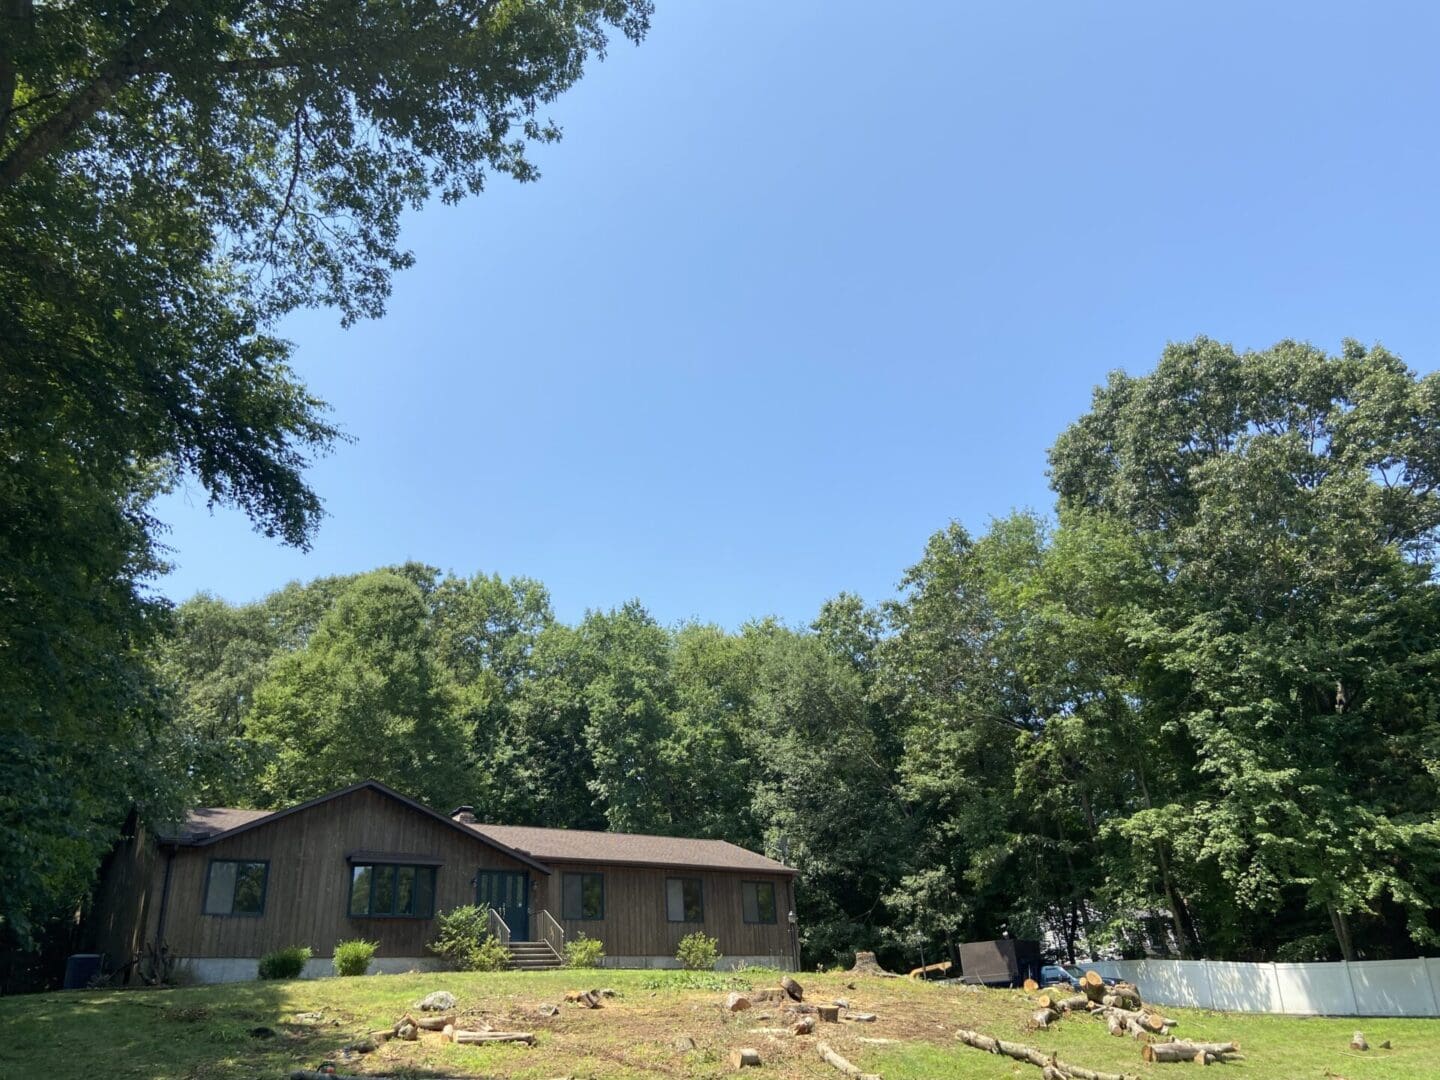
(1193, 710)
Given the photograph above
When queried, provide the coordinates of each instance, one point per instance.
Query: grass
(263, 1030)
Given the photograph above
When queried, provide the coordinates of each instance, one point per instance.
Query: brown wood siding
(635, 922)
(307, 892)
(127, 902)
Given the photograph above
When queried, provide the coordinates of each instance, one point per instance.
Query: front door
(508, 892)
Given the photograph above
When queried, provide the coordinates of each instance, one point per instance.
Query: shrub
(584, 952)
(698, 952)
(284, 963)
(490, 955)
(353, 957)
(464, 940)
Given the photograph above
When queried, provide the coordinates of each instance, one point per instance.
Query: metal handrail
(552, 932)
(499, 928)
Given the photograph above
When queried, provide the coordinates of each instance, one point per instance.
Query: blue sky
(806, 280)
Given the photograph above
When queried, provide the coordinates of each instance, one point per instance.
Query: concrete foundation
(727, 963)
(225, 969)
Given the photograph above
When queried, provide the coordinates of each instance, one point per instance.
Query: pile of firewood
(1125, 1013)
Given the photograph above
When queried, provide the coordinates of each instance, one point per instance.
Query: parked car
(1065, 975)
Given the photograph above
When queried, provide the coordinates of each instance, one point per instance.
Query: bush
(490, 955)
(464, 940)
(584, 952)
(698, 952)
(353, 957)
(284, 963)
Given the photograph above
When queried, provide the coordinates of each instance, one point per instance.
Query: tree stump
(744, 1057)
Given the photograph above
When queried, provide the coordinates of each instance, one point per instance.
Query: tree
(823, 793)
(1293, 501)
(175, 175)
(365, 698)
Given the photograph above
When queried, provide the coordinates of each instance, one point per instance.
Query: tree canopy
(175, 175)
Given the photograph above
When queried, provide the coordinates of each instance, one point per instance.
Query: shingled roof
(634, 849)
(210, 821)
(532, 845)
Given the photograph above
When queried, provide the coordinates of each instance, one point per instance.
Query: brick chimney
(464, 814)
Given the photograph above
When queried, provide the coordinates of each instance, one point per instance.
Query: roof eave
(777, 870)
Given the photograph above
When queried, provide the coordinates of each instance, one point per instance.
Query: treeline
(1194, 710)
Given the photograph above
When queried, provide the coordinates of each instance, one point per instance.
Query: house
(228, 886)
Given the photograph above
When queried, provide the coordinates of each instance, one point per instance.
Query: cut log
(1043, 1018)
(792, 988)
(1200, 1053)
(769, 993)
(1045, 1001)
(1029, 1054)
(744, 1057)
(835, 1061)
(1120, 1001)
(408, 1032)
(465, 1038)
(1126, 989)
(1071, 1003)
(1138, 1023)
(1030, 986)
(942, 967)
(447, 1034)
(829, 1013)
(1357, 1041)
(804, 1026)
(434, 1023)
(860, 1017)
(736, 1002)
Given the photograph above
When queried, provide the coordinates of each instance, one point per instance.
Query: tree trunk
(1340, 923)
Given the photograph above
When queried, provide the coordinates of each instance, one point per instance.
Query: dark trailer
(1005, 962)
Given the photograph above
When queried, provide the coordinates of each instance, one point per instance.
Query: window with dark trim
(392, 891)
(583, 896)
(236, 887)
(684, 899)
(757, 901)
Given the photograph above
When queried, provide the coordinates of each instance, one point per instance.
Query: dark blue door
(508, 892)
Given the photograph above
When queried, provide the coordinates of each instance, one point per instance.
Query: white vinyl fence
(1361, 988)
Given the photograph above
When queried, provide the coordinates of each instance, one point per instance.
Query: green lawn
(263, 1030)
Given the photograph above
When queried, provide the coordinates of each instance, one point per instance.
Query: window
(235, 887)
(684, 900)
(389, 890)
(757, 898)
(584, 896)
